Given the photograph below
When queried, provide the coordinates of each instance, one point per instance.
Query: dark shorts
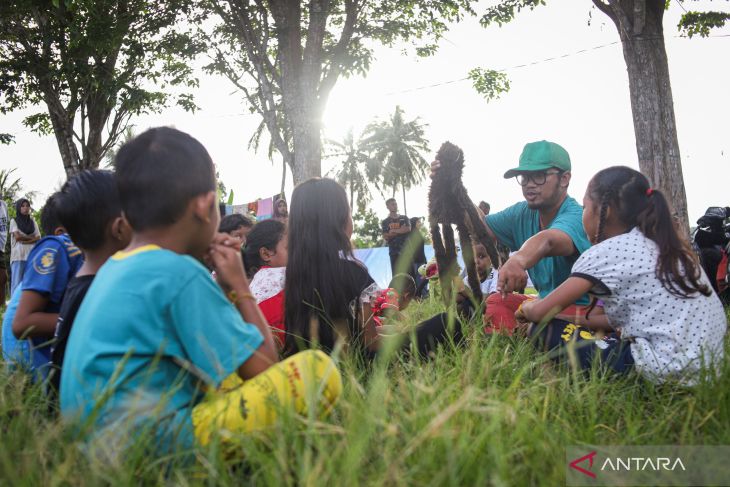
(3, 265)
(560, 336)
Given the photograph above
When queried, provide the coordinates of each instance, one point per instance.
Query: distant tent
(377, 261)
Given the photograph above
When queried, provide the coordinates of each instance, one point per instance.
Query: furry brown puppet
(449, 204)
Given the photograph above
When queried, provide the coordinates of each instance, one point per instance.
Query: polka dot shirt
(672, 337)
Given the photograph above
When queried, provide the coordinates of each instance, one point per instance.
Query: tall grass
(491, 413)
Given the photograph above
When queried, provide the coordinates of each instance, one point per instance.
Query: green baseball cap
(539, 156)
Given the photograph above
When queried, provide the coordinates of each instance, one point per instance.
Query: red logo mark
(589, 457)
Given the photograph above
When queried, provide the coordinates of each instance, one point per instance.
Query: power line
(540, 61)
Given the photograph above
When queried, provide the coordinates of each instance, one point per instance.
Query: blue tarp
(377, 260)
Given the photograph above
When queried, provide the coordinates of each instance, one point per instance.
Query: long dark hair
(627, 192)
(265, 234)
(317, 272)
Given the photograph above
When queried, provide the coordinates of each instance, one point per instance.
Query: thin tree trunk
(283, 175)
(639, 23)
(405, 209)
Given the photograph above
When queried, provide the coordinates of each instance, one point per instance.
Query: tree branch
(312, 56)
(348, 29)
(606, 9)
(622, 20)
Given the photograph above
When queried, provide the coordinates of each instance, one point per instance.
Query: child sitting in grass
(654, 291)
(155, 332)
(329, 293)
(237, 226)
(265, 257)
(31, 315)
(89, 208)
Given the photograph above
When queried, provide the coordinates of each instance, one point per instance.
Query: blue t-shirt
(51, 264)
(152, 329)
(516, 224)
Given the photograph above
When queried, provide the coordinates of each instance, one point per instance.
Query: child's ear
(201, 206)
(121, 231)
(609, 213)
(265, 254)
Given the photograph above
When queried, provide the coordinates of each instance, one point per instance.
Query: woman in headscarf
(24, 234)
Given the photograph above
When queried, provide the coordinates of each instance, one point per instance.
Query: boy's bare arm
(30, 319)
(266, 354)
(226, 258)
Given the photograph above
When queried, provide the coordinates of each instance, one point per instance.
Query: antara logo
(589, 457)
(626, 463)
(642, 463)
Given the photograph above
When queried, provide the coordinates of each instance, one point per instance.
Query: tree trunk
(63, 130)
(307, 147)
(639, 23)
(405, 209)
(283, 175)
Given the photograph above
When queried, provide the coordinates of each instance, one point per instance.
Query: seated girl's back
(265, 259)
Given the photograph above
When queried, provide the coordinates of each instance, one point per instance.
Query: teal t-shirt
(152, 329)
(516, 224)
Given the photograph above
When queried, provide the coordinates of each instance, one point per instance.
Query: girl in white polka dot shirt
(661, 316)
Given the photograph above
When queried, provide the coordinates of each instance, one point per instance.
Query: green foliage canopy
(94, 64)
(285, 56)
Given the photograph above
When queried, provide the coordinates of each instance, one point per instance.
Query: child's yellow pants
(309, 379)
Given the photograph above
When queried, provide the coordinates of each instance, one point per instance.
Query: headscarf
(24, 222)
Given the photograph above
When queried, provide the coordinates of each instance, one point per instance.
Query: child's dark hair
(158, 173)
(49, 216)
(404, 284)
(319, 279)
(86, 204)
(628, 193)
(233, 222)
(265, 234)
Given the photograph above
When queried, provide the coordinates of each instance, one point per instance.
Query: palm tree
(9, 188)
(396, 147)
(355, 169)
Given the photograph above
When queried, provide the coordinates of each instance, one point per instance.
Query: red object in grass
(386, 299)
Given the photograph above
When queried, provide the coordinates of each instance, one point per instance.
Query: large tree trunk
(62, 125)
(307, 147)
(639, 23)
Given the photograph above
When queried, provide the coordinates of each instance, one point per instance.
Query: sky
(577, 99)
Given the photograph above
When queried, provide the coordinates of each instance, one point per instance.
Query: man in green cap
(545, 233)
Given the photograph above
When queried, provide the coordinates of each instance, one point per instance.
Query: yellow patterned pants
(305, 381)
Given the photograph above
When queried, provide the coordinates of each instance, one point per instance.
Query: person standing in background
(414, 248)
(24, 234)
(484, 206)
(395, 232)
(281, 211)
(3, 241)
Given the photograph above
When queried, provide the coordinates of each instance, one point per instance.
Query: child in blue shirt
(30, 319)
(155, 332)
(89, 208)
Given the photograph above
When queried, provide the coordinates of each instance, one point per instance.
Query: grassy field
(493, 413)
